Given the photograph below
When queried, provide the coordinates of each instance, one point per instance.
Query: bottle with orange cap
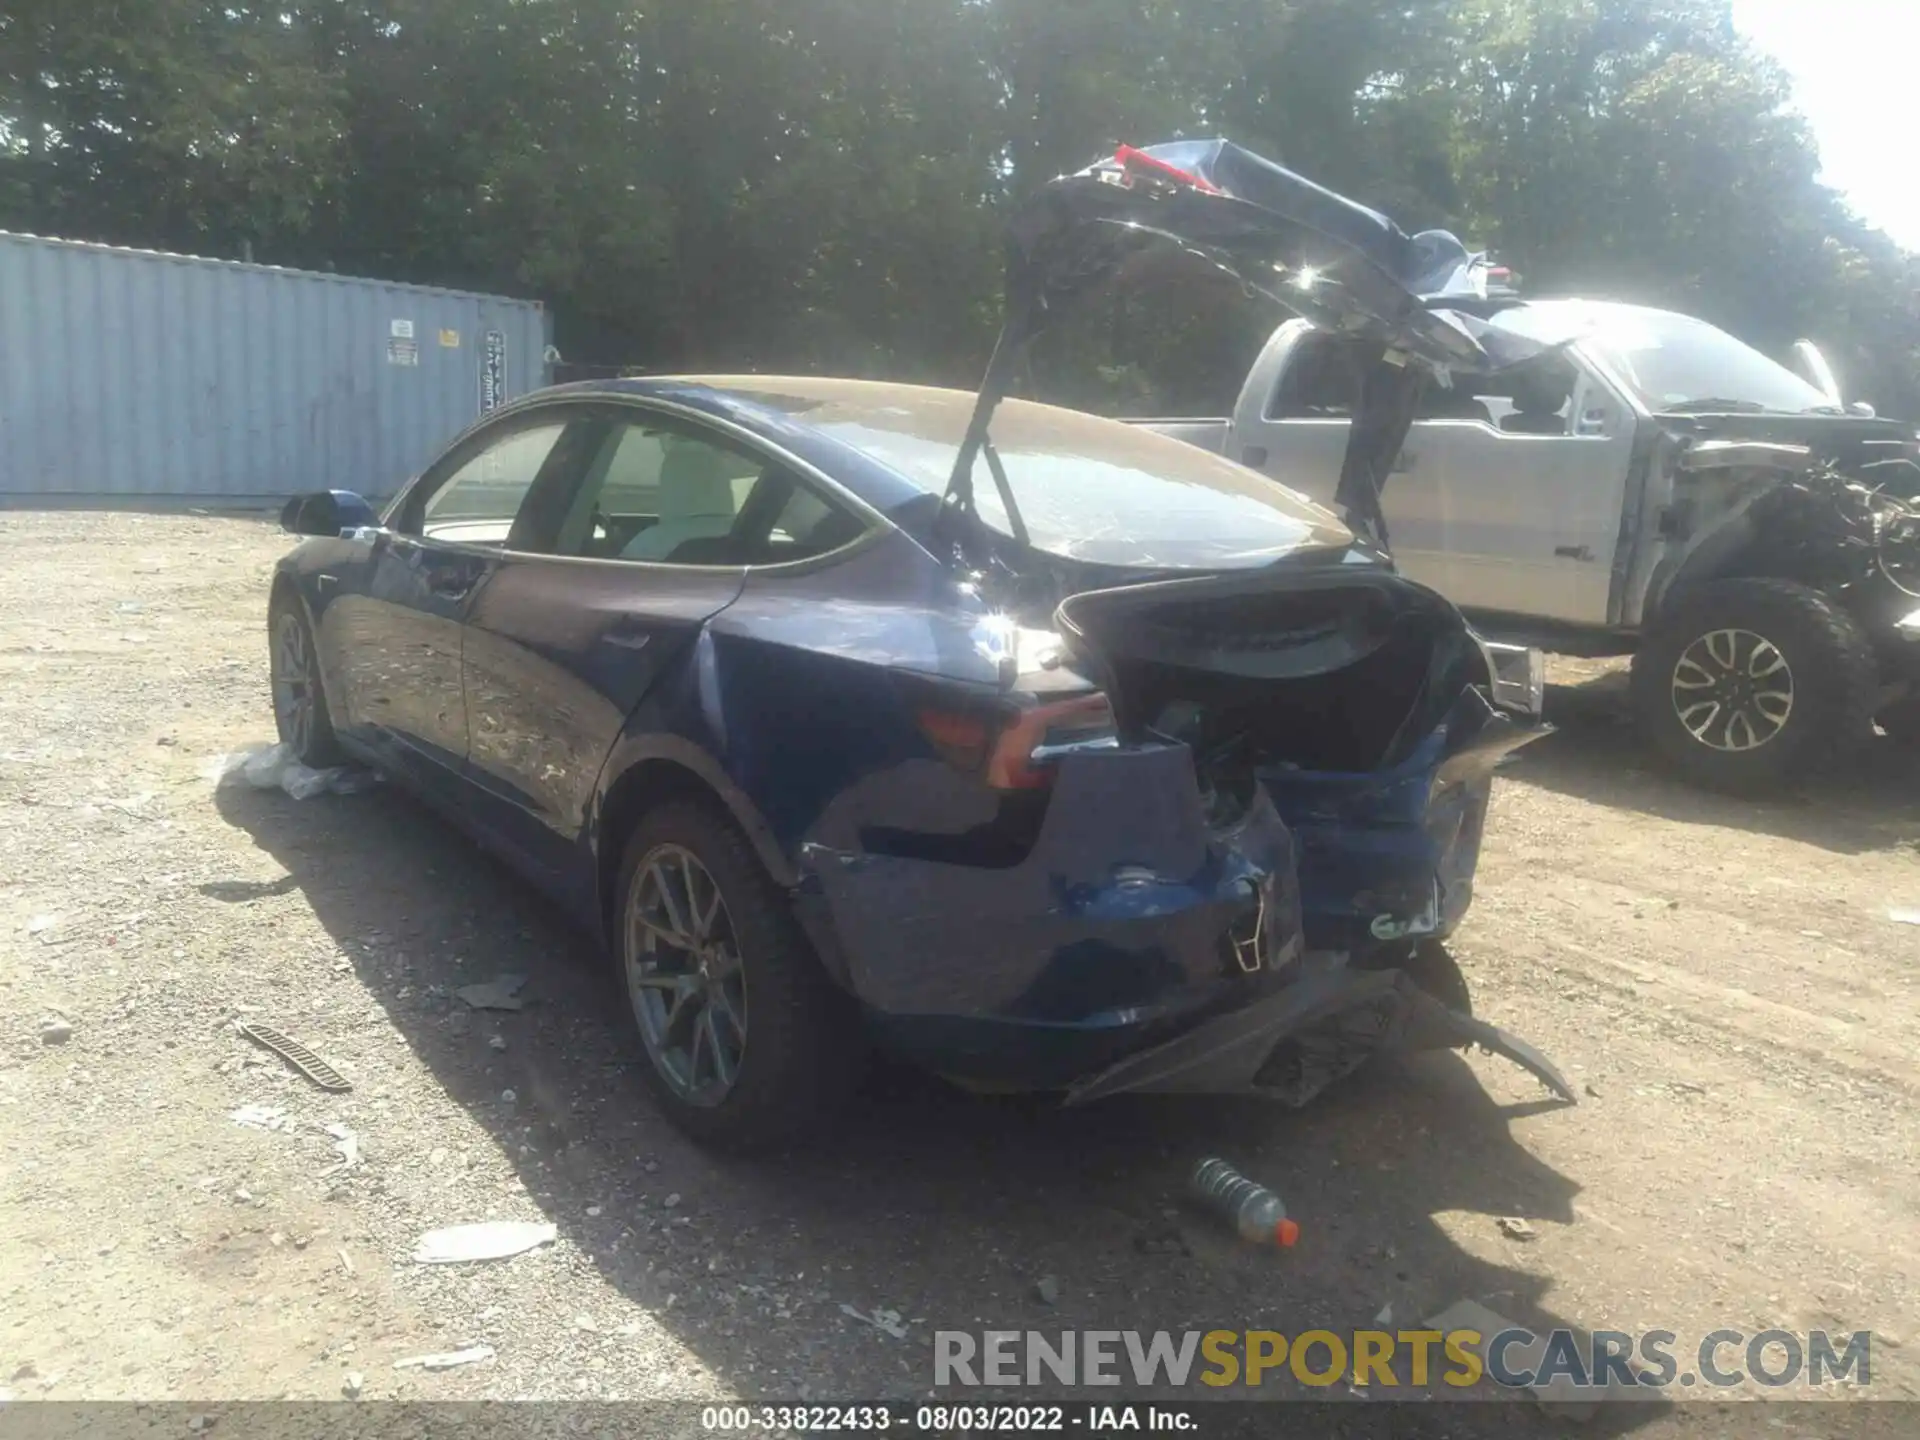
(1255, 1211)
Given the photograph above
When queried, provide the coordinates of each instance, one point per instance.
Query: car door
(399, 641)
(1520, 480)
(648, 539)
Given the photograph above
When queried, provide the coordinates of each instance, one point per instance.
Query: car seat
(1538, 399)
(696, 500)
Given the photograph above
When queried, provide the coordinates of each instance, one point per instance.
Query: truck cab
(1636, 481)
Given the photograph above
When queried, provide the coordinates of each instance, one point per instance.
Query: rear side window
(667, 494)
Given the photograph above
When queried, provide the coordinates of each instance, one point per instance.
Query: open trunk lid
(1421, 299)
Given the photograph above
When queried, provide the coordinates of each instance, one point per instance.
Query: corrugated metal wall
(129, 376)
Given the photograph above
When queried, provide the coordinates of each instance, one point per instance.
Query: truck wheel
(1750, 685)
(748, 1043)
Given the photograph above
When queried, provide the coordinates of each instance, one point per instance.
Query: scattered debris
(352, 1383)
(500, 993)
(348, 1144)
(1047, 1290)
(40, 924)
(586, 1323)
(274, 767)
(295, 1054)
(55, 1032)
(496, 1042)
(446, 1360)
(260, 1117)
(1514, 1228)
(1904, 916)
(346, 1260)
(1164, 1238)
(886, 1321)
(1592, 1093)
(488, 1240)
(1251, 1208)
(1385, 1317)
(200, 1424)
(672, 1202)
(507, 1097)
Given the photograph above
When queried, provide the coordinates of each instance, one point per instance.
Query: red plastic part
(1285, 1233)
(1129, 158)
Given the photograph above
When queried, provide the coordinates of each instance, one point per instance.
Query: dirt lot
(1722, 980)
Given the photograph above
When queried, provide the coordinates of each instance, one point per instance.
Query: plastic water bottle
(1253, 1209)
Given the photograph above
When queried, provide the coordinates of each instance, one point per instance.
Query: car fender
(635, 750)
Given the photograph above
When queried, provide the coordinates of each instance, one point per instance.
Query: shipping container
(132, 377)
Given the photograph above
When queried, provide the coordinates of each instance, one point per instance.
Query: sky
(1856, 71)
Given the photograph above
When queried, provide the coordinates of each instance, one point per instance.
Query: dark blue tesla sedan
(1121, 769)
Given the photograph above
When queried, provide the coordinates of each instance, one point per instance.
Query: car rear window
(1093, 490)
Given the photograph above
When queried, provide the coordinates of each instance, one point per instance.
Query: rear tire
(749, 1044)
(1748, 686)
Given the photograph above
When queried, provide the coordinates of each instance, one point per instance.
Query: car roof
(881, 438)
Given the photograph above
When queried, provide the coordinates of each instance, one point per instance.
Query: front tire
(1748, 686)
(300, 713)
(749, 1044)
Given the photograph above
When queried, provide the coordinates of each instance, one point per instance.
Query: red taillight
(1015, 750)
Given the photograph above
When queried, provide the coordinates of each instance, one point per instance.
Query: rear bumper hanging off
(1324, 1025)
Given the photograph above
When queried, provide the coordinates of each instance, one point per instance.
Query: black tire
(311, 739)
(802, 1049)
(1831, 680)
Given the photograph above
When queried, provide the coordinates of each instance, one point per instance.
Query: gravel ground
(1723, 980)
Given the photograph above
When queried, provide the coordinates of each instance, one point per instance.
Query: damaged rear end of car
(1257, 779)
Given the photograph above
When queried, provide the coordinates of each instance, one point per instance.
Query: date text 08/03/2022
(945, 1419)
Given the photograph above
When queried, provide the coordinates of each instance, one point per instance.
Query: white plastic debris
(446, 1360)
(260, 1117)
(1904, 917)
(347, 1144)
(500, 993)
(273, 767)
(40, 924)
(885, 1321)
(488, 1240)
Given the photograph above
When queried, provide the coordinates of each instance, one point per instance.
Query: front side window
(663, 493)
(477, 503)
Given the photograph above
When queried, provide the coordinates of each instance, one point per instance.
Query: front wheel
(300, 711)
(1751, 685)
(748, 1042)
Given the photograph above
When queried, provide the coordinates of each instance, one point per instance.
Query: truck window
(1531, 399)
(1321, 381)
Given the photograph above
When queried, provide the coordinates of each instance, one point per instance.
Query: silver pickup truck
(1655, 488)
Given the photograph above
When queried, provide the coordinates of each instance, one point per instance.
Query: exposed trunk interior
(1333, 673)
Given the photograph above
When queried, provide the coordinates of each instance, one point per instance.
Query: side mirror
(1863, 410)
(326, 512)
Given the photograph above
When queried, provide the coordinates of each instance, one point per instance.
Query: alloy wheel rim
(1732, 690)
(684, 977)
(293, 684)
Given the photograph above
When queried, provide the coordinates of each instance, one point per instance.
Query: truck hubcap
(684, 978)
(1732, 690)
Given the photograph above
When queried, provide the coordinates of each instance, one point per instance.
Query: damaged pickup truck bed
(1052, 754)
